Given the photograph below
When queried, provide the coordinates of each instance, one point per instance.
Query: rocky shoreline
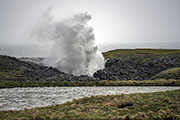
(13, 69)
(137, 66)
(130, 66)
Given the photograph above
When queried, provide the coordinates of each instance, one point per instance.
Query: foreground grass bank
(154, 106)
(160, 82)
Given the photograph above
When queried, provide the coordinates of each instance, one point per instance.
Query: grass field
(153, 106)
(159, 82)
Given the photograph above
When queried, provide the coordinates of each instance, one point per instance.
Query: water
(21, 98)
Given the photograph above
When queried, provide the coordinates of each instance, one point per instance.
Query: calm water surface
(21, 98)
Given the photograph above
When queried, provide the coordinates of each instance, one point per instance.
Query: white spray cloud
(72, 44)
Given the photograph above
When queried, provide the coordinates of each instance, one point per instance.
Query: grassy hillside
(17, 71)
(173, 73)
(154, 106)
(13, 69)
(125, 52)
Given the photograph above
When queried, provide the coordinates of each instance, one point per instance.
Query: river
(21, 98)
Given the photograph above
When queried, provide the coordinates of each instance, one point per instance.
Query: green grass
(153, 106)
(158, 82)
(173, 73)
(125, 52)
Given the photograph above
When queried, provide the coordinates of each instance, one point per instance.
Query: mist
(71, 42)
(118, 24)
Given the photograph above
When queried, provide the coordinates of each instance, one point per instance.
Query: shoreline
(160, 82)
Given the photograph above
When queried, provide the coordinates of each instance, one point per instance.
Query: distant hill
(104, 47)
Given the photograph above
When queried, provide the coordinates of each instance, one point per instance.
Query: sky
(114, 21)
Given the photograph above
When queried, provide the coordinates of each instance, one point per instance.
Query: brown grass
(154, 106)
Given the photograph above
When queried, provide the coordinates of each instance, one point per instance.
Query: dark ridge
(14, 69)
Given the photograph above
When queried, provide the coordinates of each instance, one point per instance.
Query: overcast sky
(114, 21)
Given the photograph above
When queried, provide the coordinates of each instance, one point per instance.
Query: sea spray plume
(73, 49)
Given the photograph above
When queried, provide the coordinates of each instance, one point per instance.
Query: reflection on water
(20, 98)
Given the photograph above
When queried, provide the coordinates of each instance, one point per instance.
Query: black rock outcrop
(14, 69)
(137, 66)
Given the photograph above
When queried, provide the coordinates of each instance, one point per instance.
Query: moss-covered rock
(173, 73)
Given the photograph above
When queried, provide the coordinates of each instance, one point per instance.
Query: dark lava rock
(18, 70)
(137, 66)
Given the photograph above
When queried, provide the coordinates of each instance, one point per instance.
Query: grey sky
(114, 21)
